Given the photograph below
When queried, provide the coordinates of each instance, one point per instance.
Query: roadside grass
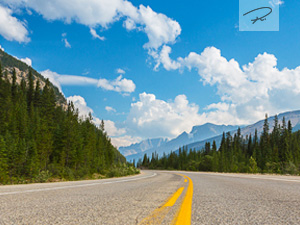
(51, 175)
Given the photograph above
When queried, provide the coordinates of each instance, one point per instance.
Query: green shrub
(42, 177)
(290, 168)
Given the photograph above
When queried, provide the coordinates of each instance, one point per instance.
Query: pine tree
(37, 94)
(30, 92)
(14, 85)
(3, 162)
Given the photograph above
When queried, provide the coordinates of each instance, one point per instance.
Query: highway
(156, 197)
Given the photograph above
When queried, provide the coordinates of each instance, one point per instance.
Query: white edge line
(229, 175)
(74, 186)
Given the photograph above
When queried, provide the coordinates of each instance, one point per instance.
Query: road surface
(156, 197)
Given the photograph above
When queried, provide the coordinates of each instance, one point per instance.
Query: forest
(42, 141)
(277, 152)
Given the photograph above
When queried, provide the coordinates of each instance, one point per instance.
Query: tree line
(271, 152)
(39, 139)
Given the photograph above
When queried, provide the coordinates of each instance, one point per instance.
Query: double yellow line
(184, 214)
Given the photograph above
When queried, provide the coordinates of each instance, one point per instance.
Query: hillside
(9, 63)
(40, 139)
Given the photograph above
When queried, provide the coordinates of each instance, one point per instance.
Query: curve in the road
(76, 186)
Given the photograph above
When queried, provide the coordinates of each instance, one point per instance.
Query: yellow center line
(184, 216)
(174, 198)
(158, 215)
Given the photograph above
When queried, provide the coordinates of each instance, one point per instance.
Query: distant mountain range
(142, 146)
(199, 135)
(160, 146)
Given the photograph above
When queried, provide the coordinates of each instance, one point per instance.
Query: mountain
(142, 146)
(10, 63)
(198, 133)
(293, 116)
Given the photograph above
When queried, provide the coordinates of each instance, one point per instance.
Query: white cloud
(159, 28)
(120, 71)
(129, 24)
(27, 60)
(110, 109)
(121, 85)
(222, 106)
(1, 48)
(246, 92)
(11, 28)
(65, 40)
(151, 117)
(53, 78)
(67, 44)
(112, 130)
(164, 59)
(80, 104)
(125, 140)
(95, 35)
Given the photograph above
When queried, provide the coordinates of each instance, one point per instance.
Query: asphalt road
(156, 197)
(109, 201)
(245, 199)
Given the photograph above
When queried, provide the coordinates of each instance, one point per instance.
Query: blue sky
(180, 62)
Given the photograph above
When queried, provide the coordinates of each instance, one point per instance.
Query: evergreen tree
(3, 161)
(30, 92)
(14, 84)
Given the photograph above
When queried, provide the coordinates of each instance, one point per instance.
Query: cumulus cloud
(95, 35)
(159, 28)
(112, 130)
(219, 106)
(151, 117)
(11, 28)
(1, 48)
(110, 109)
(247, 92)
(121, 85)
(80, 104)
(125, 140)
(27, 60)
